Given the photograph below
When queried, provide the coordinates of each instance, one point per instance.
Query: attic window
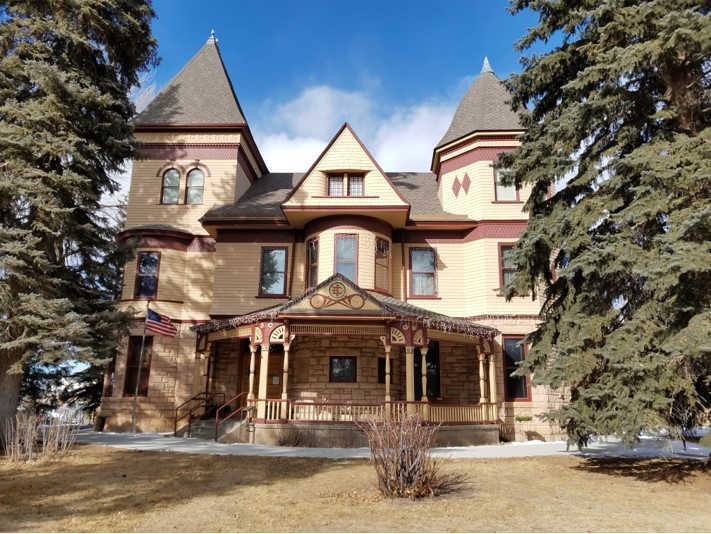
(345, 184)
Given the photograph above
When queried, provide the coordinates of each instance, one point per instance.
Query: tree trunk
(9, 388)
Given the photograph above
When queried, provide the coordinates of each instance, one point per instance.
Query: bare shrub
(401, 453)
(293, 436)
(29, 438)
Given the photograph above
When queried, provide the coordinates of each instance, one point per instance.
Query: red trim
(166, 239)
(434, 295)
(286, 271)
(347, 207)
(460, 142)
(505, 369)
(157, 276)
(482, 153)
(489, 229)
(335, 249)
(174, 151)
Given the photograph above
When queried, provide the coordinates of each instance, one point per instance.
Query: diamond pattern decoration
(466, 182)
(456, 186)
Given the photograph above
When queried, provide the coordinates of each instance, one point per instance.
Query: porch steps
(205, 429)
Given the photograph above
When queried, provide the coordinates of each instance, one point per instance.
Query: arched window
(195, 187)
(171, 185)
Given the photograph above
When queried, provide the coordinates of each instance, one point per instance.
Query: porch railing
(281, 410)
(195, 407)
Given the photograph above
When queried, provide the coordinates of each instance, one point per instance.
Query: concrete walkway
(651, 447)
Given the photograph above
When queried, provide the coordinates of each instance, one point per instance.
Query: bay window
(346, 256)
(311, 263)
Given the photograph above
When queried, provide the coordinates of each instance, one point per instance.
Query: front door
(433, 391)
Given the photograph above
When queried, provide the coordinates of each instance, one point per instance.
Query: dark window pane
(433, 377)
(516, 387)
(146, 286)
(148, 263)
(423, 261)
(171, 177)
(381, 370)
(513, 351)
(343, 369)
(132, 371)
(312, 262)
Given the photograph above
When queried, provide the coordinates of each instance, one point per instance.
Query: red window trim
(330, 370)
(148, 350)
(496, 196)
(528, 398)
(357, 247)
(309, 265)
(135, 279)
(434, 295)
(260, 294)
(204, 179)
(162, 187)
(501, 263)
(389, 266)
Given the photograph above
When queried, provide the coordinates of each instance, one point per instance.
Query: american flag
(160, 324)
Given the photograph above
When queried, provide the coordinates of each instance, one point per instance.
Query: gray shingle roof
(201, 93)
(265, 196)
(484, 107)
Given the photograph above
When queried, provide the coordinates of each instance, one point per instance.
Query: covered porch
(339, 355)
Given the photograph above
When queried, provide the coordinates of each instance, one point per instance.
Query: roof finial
(486, 67)
(212, 38)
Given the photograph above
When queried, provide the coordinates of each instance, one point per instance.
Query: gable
(345, 153)
(337, 295)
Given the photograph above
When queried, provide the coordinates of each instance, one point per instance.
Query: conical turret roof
(200, 94)
(484, 107)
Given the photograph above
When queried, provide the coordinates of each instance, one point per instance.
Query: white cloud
(292, 134)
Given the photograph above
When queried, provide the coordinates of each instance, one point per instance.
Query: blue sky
(394, 70)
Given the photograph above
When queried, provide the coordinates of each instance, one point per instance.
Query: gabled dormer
(483, 126)
(345, 179)
(196, 149)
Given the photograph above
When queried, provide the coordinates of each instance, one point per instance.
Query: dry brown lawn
(104, 489)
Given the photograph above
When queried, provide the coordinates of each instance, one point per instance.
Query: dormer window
(345, 184)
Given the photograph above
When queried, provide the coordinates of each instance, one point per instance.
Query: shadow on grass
(96, 483)
(646, 470)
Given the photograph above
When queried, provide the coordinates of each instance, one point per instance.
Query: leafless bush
(400, 451)
(28, 438)
(293, 436)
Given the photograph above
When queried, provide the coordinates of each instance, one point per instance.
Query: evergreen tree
(618, 151)
(66, 68)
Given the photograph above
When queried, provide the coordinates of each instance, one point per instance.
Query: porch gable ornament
(337, 293)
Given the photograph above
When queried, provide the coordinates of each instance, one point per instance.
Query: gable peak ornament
(486, 67)
(212, 38)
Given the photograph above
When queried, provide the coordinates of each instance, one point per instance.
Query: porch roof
(372, 304)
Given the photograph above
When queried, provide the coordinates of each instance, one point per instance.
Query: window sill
(271, 296)
(507, 202)
(518, 400)
(423, 297)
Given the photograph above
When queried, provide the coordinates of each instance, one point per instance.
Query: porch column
(426, 407)
(263, 378)
(388, 406)
(252, 359)
(284, 381)
(492, 385)
(482, 380)
(410, 378)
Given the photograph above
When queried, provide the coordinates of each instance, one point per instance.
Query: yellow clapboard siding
(345, 153)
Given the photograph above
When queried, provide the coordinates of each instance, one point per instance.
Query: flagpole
(140, 370)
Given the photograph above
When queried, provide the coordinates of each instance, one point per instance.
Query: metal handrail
(203, 398)
(240, 408)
